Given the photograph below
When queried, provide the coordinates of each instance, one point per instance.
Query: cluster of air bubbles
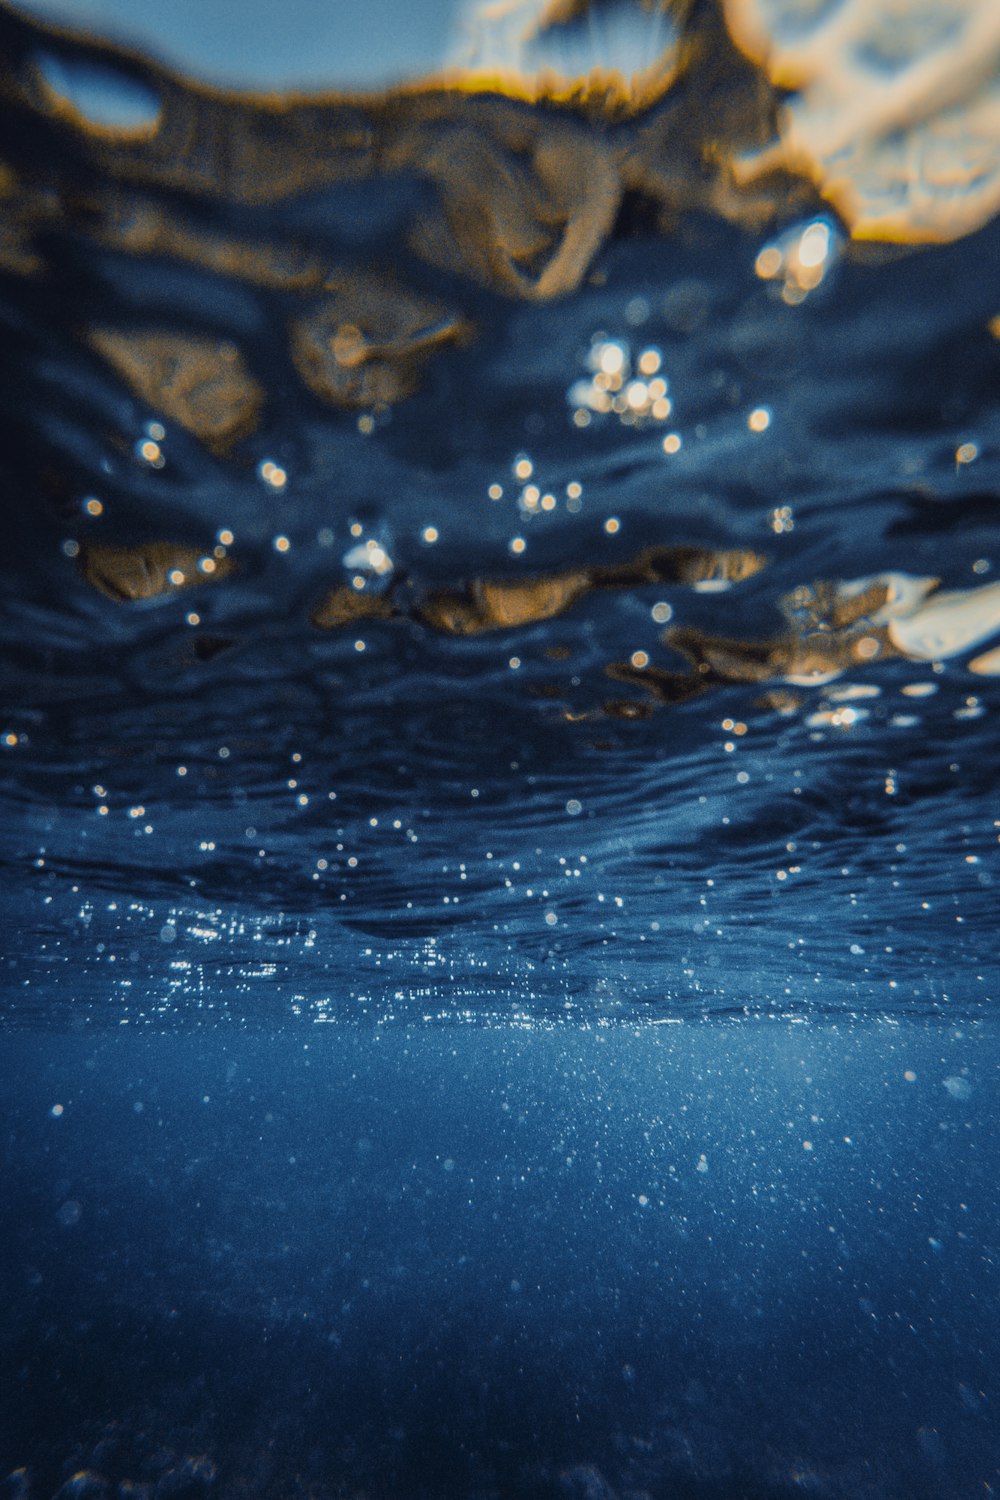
(633, 389)
(533, 498)
(149, 448)
(800, 259)
(367, 559)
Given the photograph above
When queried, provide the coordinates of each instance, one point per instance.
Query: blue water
(717, 1259)
(445, 773)
(435, 1064)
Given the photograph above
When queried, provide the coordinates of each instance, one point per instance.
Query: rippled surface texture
(518, 549)
(349, 489)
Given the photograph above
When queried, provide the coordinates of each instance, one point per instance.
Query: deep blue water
(705, 1259)
(552, 1059)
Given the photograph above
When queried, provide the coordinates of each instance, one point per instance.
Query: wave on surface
(512, 546)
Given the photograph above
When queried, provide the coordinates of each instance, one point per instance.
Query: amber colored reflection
(523, 180)
(836, 626)
(522, 197)
(503, 604)
(203, 384)
(149, 570)
(894, 109)
(365, 344)
(343, 606)
(832, 626)
(526, 169)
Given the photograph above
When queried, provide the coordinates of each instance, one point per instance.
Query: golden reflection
(838, 626)
(988, 664)
(507, 603)
(893, 110)
(503, 604)
(549, 115)
(521, 199)
(148, 570)
(365, 344)
(203, 384)
(800, 259)
(832, 627)
(554, 49)
(346, 605)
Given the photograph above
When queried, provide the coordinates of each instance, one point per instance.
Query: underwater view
(499, 766)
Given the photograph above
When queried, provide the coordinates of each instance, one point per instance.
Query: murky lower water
(506, 568)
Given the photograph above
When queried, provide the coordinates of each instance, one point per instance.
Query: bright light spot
(273, 475)
(637, 394)
(92, 506)
(193, 619)
(176, 577)
(574, 808)
(814, 246)
(672, 442)
(800, 258)
(495, 491)
(768, 263)
(759, 420)
(548, 502)
(429, 535)
(611, 359)
(226, 537)
(661, 612)
(514, 663)
(207, 564)
(517, 545)
(612, 525)
(150, 453)
(523, 468)
(639, 659)
(359, 645)
(370, 555)
(282, 544)
(650, 361)
(966, 453)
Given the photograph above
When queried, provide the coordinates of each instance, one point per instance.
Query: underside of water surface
(499, 827)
